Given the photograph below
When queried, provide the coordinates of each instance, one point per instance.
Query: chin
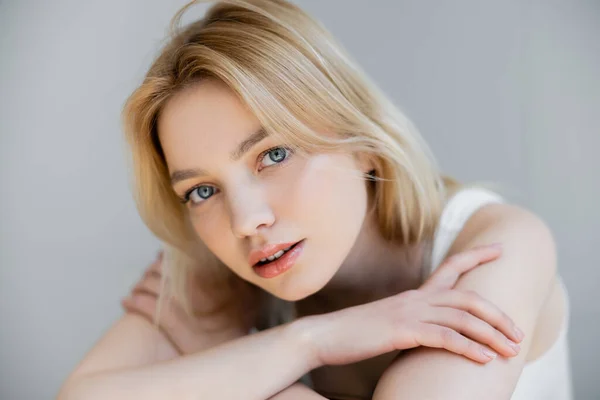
(298, 287)
(295, 296)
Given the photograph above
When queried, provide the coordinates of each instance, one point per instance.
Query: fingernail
(489, 353)
(514, 346)
(519, 333)
(497, 245)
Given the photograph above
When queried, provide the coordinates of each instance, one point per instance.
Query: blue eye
(274, 156)
(199, 194)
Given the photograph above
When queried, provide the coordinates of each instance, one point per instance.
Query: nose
(249, 212)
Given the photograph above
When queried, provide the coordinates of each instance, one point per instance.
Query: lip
(281, 265)
(267, 251)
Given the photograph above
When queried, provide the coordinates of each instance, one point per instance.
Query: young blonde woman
(312, 248)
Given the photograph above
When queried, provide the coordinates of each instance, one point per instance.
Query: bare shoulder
(507, 217)
(524, 234)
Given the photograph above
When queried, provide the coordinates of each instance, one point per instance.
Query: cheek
(331, 196)
(213, 229)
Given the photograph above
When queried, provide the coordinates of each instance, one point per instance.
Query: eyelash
(186, 197)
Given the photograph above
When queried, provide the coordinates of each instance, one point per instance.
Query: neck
(375, 268)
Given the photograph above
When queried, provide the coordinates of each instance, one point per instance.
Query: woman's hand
(189, 334)
(435, 315)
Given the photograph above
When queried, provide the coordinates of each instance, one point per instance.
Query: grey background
(507, 91)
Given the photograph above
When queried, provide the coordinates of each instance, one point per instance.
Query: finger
(141, 303)
(144, 303)
(152, 272)
(150, 283)
(156, 266)
(473, 328)
(442, 337)
(476, 305)
(452, 268)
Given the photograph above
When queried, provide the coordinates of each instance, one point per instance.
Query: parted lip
(266, 251)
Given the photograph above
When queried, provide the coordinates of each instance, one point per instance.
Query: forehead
(205, 120)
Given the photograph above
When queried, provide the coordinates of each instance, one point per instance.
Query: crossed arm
(518, 283)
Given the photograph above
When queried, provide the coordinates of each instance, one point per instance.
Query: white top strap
(457, 211)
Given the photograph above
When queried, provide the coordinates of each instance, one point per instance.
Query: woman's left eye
(274, 156)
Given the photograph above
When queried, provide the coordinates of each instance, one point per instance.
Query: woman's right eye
(199, 194)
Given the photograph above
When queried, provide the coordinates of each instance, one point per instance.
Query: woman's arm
(262, 365)
(257, 366)
(518, 283)
(298, 391)
(135, 341)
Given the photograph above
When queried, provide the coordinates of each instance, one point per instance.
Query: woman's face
(248, 199)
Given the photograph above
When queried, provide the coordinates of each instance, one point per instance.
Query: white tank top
(549, 376)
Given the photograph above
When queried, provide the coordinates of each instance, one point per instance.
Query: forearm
(257, 366)
(298, 391)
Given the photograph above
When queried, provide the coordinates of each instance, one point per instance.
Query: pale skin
(344, 260)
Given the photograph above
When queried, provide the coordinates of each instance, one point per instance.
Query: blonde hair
(296, 79)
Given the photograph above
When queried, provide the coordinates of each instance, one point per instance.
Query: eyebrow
(240, 150)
